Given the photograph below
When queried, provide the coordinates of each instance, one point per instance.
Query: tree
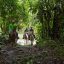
(9, 12)
(56, 21)
(44, 14)
(49, 14)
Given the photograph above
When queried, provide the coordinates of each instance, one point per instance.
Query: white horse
(25, 41)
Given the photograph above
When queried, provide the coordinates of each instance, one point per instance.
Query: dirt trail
(18, 54)
(26, 55)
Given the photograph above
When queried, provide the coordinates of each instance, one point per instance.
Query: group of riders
(28, 34)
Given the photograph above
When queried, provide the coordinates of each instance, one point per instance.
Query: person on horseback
(13, 35)
(31, 35)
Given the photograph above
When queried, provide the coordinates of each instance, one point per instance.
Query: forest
(46, 17)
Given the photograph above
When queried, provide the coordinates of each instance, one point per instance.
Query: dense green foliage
(45, 16)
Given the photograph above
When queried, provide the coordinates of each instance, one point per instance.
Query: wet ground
(27, 55)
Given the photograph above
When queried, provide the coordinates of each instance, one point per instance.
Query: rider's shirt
(11, 27)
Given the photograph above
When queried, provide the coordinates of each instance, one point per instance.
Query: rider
(10, 27)
(32, 36)
(32, 31)
(12, 32)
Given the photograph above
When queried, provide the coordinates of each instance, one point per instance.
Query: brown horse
(13, 36)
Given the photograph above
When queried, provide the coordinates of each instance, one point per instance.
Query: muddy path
(27, 55)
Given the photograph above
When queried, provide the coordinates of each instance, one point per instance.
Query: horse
(26, 36)
(13, 36)
(27, 39)
(31, 37)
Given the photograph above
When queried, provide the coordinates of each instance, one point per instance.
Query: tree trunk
(56, 26)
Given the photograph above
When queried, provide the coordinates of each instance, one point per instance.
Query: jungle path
(27, 55)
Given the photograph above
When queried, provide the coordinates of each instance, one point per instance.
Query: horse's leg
(31, 42)
(26, 40)
(32, 39)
